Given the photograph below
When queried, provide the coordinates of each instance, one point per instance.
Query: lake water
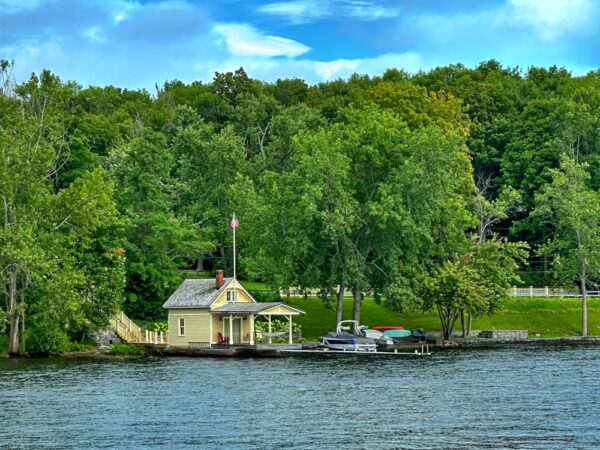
(520, 397)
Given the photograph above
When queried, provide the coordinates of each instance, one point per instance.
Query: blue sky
(136, 44)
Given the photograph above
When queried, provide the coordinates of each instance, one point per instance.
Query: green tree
(207, 165)
(573, 208)
(477, 282)
(42, 228)
(157, 240)
(364, 206)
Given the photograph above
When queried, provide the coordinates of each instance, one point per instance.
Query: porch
(233, 324)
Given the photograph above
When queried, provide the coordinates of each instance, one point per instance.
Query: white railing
(132, 333)
(156, 337)
(126, 328)
(548, 292)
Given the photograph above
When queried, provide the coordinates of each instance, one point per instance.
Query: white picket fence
(548, 292)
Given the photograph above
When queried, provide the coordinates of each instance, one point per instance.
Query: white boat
(353, 341)
(381, 339)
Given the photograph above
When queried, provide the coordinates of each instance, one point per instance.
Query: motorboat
(388, 327)
(381, 339)
(348, 336)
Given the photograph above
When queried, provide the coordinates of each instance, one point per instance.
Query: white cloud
(245, 40)
(552, 18)
(369, 10)
(94, 34)
(298, 11)
(411, 62)
(121, 10)
(302, 11)
(330, 69)
(16, 6)
(313, 71)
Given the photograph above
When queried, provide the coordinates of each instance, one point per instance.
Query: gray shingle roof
(195, 293)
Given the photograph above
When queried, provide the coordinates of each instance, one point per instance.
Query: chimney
(220, 279)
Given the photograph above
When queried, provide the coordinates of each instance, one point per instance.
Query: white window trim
(181, 326)
(230, 296)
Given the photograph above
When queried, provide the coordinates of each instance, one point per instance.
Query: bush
(127, 349)
(277, 325)
(159, 326)
(80, 346)
(3, 344)
(46, 339)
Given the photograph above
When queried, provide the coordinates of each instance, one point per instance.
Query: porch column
(251, 329)
(290, 329)
(269, 317)
(230, 329)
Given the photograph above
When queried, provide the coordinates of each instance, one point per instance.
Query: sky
(137, 44)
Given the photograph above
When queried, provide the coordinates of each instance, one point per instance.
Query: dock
(423, 351)
(277, 350)
(231, 351)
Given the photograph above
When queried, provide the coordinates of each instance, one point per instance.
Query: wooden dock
(423, 351)
(230, 351)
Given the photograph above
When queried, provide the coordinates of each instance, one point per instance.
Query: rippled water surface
(521, 397)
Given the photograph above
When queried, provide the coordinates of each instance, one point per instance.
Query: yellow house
(219, 311)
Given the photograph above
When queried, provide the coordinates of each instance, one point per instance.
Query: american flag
(234, 222)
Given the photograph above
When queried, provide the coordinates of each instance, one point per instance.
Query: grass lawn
(550, 317)
(255, 286)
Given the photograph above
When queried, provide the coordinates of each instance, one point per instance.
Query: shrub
(127, 349)
(276, 326)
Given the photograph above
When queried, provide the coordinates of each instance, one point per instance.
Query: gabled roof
(253, 308)
(196, 293)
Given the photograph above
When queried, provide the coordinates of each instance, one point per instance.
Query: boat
(398, 335)
(381, 339)
(388, 327)
(353, 341)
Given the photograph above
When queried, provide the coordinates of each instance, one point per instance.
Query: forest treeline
(431, 190)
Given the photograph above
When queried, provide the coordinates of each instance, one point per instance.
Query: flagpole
(234, 273)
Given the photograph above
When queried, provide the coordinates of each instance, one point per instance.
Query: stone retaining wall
(508, 335)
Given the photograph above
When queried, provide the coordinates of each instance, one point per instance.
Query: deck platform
(233, 351)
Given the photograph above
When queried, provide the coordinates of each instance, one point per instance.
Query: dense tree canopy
(397, 186)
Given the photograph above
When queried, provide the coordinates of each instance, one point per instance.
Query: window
(230, 295)
(181, 326)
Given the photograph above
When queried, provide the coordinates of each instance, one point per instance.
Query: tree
(43, 229)
(477, 281)
(573, 208)
(157, 240)
(207, 165)
(365, 204)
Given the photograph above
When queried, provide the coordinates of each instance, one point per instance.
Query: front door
(236, 336)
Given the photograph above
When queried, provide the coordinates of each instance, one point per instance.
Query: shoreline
(458, 344)
(480, 342)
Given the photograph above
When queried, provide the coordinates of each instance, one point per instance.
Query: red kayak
(388, 327)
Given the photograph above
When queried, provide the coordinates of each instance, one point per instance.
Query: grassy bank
(550, 317)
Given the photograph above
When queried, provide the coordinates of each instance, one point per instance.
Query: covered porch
(234, 323)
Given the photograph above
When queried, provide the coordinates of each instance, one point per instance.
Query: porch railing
(126, 328)
(132, 333)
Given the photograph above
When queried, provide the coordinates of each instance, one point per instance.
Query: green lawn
(255, 286)
(550, 317)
